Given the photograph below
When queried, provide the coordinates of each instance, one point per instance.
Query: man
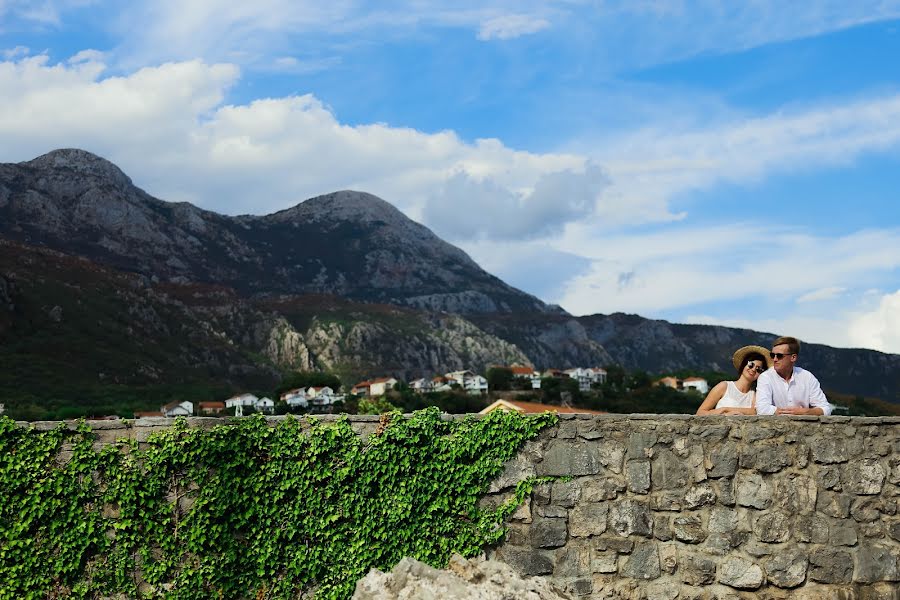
(786, 389)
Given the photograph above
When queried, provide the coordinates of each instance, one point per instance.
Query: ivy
(247, 509)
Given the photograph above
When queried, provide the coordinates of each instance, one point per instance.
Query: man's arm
(817, 399)
(765, 404)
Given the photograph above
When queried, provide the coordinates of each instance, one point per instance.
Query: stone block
(811, 528)
(565, 493)
(753, 490)
(696, 569)
(589, 430)
(668, 557)
(588, 518)
(630, 517)
(829, 477)
(637, 476)
(710, 433)
(596, 489)
(833, 449)
(668, 472)
(842, 532)
(519, 468)
(689, 529)
(643, 563)
(573, 560)
(612, 454)
(772, 527)
(552, 511)
(827, 565)
(699, 495)
(833, 505)
(722, 461)
(863, 477)
(526, 561)
(564, 457)
(640, 445)
(662, 527)
(724, 489)
(794, 493)
(722, 520)
(877, 562)
(548, 533)
(765, 459)
(667, 500)
(893, 530)
(613, 544)
(605, 562)
(787, 569)
(739, 573)
(867, 509)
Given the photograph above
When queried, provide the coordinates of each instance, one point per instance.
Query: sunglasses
(779, 355)
(756, 367)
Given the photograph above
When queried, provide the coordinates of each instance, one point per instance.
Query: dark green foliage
(247, 510)
(499, 379)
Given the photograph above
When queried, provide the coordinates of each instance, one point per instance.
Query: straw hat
(738, 357)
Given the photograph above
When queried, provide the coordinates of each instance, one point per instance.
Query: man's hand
(794, 410)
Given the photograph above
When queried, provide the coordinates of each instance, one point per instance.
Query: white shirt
(803, 391)
(735, 398)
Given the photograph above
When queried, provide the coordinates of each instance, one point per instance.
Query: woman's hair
(748, 358)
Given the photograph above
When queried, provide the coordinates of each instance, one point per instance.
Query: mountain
(111, 298)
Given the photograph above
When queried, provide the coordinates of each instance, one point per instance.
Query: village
(319, 399)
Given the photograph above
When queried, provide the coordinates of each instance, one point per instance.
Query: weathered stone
(758, 549)
(668, 500)
(833, 505)
(640, 445)
(863, 477)
(668, 557)
(874, 529)
(668, 472)
(643, 563)
(552, 511)
(828, 565)
(589, 430)
(605, 562)
(894, 530)
(611, 544)
(548, 533)
(573, 560)
(611, 455)
(830, 450)
(787, 569)
(696, 569)
(795, 494)
(739, 573)
(811, 528)
(523, 513)
(661, 590)
(662, 527)
(541, 493)
(877, 562)
(866, 509)
(842, 533)
(699, 495)
(711, 433)
(637, 475)
(598, 489)
(689, 529)
(573, 458)
(630, 517)
(588, 518)
(772, 528)
(766, 459)
(755, 432)
(567, 430)
(525, 561)
(565, 493)
(829, 478)
(751, 489)
(519, 468)
(722, 520)
(722, 461)
(724, 489)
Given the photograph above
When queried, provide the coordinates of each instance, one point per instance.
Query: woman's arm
(712, 398)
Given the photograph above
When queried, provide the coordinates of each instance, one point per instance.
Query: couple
(769, 384)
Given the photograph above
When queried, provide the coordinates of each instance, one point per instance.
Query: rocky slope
(104, 283)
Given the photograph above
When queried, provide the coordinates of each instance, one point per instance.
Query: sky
(730, 163)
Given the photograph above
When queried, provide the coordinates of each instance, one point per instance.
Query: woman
(738, 397)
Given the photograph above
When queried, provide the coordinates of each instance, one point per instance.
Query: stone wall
(665, 507)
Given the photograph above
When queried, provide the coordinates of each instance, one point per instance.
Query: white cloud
(18, 51)
(878, 328)
(826, 293)
(507, 27)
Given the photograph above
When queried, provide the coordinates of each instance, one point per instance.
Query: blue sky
(700, 162)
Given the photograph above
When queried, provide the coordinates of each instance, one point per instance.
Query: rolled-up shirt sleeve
(765, 402)
(817, 397)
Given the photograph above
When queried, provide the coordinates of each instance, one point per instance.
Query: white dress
(734, 398)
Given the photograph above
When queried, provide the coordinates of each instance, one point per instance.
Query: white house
(380, 386)
(527, 373)
(183, 408)
(582, 376)
(476, 384)
(322, 396)
(422, 386)
(239, 402)
(295, 398)
(697, 383)
(265, 406)
(459, 377)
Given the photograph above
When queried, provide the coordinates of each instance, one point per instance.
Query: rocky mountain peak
(343, 205)
(82, 163)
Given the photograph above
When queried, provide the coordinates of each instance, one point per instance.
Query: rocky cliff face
(347, 243)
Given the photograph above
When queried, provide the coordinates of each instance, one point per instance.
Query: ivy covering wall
(247, 509)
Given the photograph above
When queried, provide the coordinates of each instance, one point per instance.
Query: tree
(499, 379)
